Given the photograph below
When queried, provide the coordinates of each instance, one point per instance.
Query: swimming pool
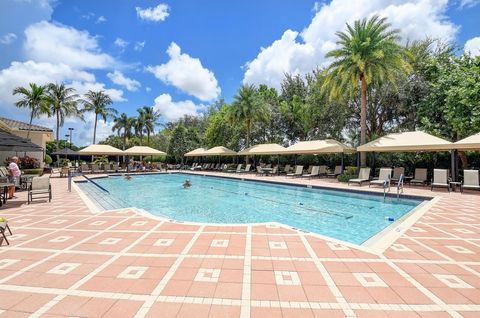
(348, 216)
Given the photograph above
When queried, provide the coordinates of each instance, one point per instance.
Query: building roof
(65, 152)
(410, 141)
(263, 149)
(20, 125)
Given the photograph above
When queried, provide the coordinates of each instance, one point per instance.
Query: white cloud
(148, 89)
(187, 74)
(55, 43)
(468, 3)
(82, 87)
(472, 46)
(172, 111)
(139, 46)
(87, 16)
(118, 78)
(121, 43)
(8, 38)
(101, 19)
(301, 52)
(85, 135)
(156, 14)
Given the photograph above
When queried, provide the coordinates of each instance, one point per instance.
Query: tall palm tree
(368, 52)
(35, 99)
(151, 120)
(98, 102)
(63, 103)
(140, 124)
(123, 125)
(247, 109)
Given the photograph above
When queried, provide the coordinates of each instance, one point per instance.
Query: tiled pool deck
(66, 261)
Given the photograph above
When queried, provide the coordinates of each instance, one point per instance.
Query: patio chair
(40, 189)
(286, 169)
(274, 171)
(470, 180)
(3, 228)
(298, 172)
(363, 176)
(95, 168)
(440, 179)
(322, 170)
(338, 171)
(383, 176)
(247, 168)
(84, 168)
(238, 170)
(420, 176)
(313, 173)
(64, 172)
(397, 172)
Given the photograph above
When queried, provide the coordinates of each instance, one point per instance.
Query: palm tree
(246, 108)
(98, 102)
(34, 99)
(124, 124)
(151, 120)
(368, 53)
(140, 124)
(63, 103)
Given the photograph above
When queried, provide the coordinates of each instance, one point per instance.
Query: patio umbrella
(410, 141)
(469, 143)
(100, 150)
(318, 147)
(196, 153)
(263, 149)
(143, 151)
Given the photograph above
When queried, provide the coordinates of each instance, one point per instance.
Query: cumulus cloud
(101, 19)
(172, 111)
(139, 46)
(56, 43)
(83, 87)
(8, 38)
(187, 74)
(298, 53)
(472, 46)
(121, 43)
(118, 78)
(155, 14)
(468, 3)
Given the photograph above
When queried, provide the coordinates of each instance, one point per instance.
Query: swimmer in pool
(128, 178)
(187, 184)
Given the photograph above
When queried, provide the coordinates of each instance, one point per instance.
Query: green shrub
(48, 160)
(351, 170)
(103, 159)
(63, 162)
(344, 177)
(33, 171)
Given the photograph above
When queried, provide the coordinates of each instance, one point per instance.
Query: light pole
(71, 133)
(66, 139)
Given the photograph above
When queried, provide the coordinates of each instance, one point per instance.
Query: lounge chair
(420, 176)
(322, 170)
(247, 169)
(338, 171)
(363, 176)
(383, 176)
(3, 228)
(238, 170)
(298, 172)
(397, 172)
(313, 173)
(84, 168)
(64, 172)
(286, 169)
(470, 180)
(440, 179)
(40, 189)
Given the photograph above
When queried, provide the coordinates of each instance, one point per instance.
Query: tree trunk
(248, 139)
(464, 159)
(95, 128)
(30, 125)
(363, 120)
(58, 128)
(148, 138)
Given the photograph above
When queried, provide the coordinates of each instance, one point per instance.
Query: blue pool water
(348, 216)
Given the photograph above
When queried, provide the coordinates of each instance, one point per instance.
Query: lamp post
(71, 133)
(66, 139)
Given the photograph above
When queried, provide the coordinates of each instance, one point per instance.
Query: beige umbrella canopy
(143, 151)
(318, 147)
(469, 143)
(219, 151)
(263, 149)
(196, 153)
(410, 141)
(101, 150)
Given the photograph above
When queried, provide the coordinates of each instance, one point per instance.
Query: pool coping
(376, 244)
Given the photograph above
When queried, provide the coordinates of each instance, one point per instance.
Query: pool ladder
(400, 186)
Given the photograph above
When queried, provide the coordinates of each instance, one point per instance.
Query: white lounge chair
(397, 172)
(383, 176)
(470, 180)
(314, 173)
(363, 176)
(440, 179)
(298, 172)
(84, 168)
(40, 189)
(238, 170)
(322, 170)
(247, 169)
(286, 169)
(338, 171)
(420, 176)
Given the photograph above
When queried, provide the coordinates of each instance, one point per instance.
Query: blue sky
(180, 56)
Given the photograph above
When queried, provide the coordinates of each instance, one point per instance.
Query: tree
(368, 53)
(35, 100)
(247, 109)
(63, 103)
(98, 102)
(139, 125)
(123, 124)
(151, 120)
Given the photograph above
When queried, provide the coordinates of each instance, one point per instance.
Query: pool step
(103, 200)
